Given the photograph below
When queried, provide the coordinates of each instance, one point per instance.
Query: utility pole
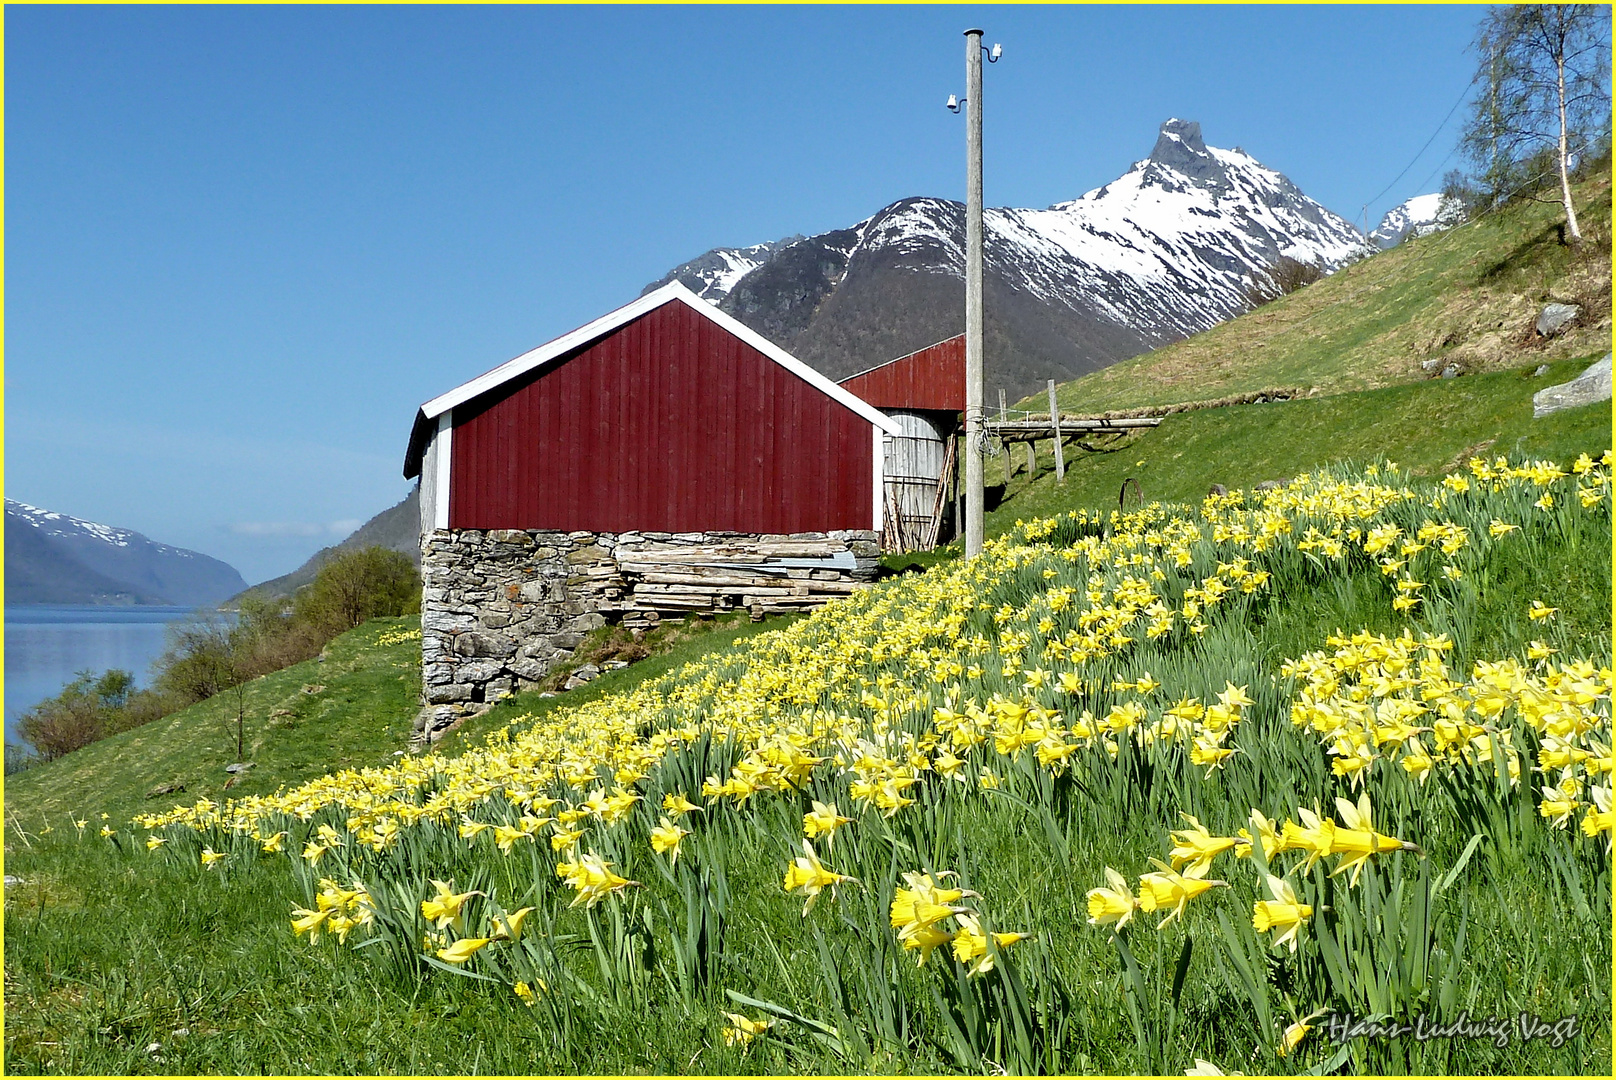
(973, 293)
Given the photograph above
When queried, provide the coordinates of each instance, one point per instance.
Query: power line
(1464, 94)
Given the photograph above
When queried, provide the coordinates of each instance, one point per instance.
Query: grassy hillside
(123, 959)
(350, 710)
(1428, 427)
(1467, 296)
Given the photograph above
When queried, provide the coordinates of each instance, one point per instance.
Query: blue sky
(244, 244)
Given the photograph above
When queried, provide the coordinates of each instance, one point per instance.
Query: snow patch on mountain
(713, 274)
(1166, 249)
(1419, 216)
(52, 523)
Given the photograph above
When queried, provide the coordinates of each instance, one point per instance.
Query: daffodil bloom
(593, 878)
(1113, 905)
(309, 922)
(666, 836)
(1284, 913)
(1539, 612)
(443, 909)
(823, 820)
(1294, 1034)
(509, 927)
(922, 905)
(1601, 818)
(565, 839)
(1267, 830)
(108, 832)
(1167, 888)
(743, 1030)
(469, 829)
(210, 857)
(677, 804)
(525, 993)
(1316, 839)
(462, 950)
(809, 875)
(313, 851)
(926, 940)
(1557, 806)
(272, 844)
(1197, 847)
(970, 945)
(1359, 840)
(155, 842)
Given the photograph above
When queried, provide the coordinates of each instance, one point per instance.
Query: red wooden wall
(933, 378)
(670, 424)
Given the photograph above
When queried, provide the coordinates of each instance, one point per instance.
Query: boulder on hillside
(1591, 386)
(1555, 318)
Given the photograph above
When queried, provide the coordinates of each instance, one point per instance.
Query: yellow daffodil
(1196, 847)
(509, 926)
(462, 950)
(823, 820)
(443, 908)
(666, 836)
(743, 1030)
(592, 877)
(1284, 913)
(809, 874)
(1167, 888)
(1112, 905)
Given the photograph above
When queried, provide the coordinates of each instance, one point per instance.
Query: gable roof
(673, 292)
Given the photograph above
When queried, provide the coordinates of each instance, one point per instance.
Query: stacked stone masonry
(500, 607)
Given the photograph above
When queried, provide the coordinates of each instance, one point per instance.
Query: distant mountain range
(53, 558)
(1160, 253)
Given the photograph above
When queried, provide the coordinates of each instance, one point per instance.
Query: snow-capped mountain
(1161, 252)
(54, 558)
(712, 275)
(1419, 216)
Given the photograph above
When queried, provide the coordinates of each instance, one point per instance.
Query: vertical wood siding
(668, 424)
(933, 378)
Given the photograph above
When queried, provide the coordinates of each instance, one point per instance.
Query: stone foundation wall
(500, 607)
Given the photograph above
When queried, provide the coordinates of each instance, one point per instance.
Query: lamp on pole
(973, 284)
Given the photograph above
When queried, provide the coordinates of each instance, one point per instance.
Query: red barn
(664, 415)
(923, 393)
(927, 380)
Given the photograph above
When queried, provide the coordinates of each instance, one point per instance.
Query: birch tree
(1544, 96)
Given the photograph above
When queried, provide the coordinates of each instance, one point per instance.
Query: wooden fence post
(1054, 420)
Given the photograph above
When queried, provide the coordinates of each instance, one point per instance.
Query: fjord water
(47, 644)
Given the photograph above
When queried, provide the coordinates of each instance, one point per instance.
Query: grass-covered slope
(1027, 720)
(1430, 428)
(349, 710)
(1468, 296)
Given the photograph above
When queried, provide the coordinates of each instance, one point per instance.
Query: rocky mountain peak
(1179, 144)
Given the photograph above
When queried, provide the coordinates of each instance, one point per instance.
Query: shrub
(1281, 277)
(359, 585)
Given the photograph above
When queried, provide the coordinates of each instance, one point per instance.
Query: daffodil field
(1088, 802)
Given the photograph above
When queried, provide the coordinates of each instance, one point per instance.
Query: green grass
(1427, 427)
(1467, 296)
(350, 710)
(111, 950)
